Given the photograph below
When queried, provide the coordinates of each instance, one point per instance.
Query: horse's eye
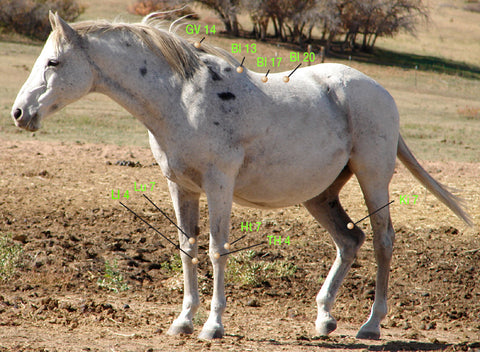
(52, 62)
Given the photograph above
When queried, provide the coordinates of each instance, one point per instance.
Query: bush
(144, 7)
(10, 253)
(30, 17)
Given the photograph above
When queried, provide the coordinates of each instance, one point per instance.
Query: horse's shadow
(335, 344)
(387, 346)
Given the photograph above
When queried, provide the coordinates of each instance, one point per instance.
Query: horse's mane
(180, 54)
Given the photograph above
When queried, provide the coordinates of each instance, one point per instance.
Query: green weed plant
(245, 270)
(10, 254)
(112, 279)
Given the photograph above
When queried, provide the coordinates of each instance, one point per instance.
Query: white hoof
(369, 333)
(210, 332)
(183, 326)
(326, 325)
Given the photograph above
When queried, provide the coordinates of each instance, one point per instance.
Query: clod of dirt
(20, 238)
(253, 303)
(128, 163)
(44, 173)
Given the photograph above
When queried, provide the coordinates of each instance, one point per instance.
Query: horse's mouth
(32, 125)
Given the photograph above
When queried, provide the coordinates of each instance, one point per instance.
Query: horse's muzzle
(23, 121)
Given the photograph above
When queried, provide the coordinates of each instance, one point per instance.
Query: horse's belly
(289, 182)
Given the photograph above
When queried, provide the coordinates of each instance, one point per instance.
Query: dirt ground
(57, 204)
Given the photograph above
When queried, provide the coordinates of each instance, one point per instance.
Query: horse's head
(61, 75)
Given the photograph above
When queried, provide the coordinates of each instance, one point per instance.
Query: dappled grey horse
(228, 134)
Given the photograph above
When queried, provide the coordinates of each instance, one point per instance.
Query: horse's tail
(456, 204)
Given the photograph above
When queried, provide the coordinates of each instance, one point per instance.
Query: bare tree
(300, 13)
(260, 12)
(227, 11)
(398, 15)
(379, 18)
(291, 15)
(331, 19)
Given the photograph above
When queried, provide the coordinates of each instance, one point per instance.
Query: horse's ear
(51, 17)
(69, 34)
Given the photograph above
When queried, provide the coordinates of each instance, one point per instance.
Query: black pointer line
(161, 234)
(160, 210)
(291, 73)
(241, 249)
(243, 60)
(386, 205)
(238, 240)
(202, 40)
(267, 73)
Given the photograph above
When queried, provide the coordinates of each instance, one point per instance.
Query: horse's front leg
(219, 192)
(186, 210)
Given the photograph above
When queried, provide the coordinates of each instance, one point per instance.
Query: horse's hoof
(211, 332)
(368, 335)
(325, 327)
(180, 327)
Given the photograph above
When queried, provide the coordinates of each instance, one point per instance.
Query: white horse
(236, 138)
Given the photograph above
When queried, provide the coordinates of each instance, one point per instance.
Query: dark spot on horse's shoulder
(143, 71)
(226, 96)
(228, 69)
(216, 123)
(213, 74)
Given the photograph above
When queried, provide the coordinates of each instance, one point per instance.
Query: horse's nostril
(17, 114)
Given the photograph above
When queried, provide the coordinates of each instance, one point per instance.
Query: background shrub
(30, 17)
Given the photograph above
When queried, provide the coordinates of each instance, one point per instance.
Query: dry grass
(452, 33)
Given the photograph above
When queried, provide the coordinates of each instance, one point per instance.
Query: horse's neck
(137, 79)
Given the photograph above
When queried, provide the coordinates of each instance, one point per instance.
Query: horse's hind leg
(186, 210)
(376, 196)
(374, 178)
(327, 210)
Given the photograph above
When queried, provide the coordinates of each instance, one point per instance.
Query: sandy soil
(56, 203)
